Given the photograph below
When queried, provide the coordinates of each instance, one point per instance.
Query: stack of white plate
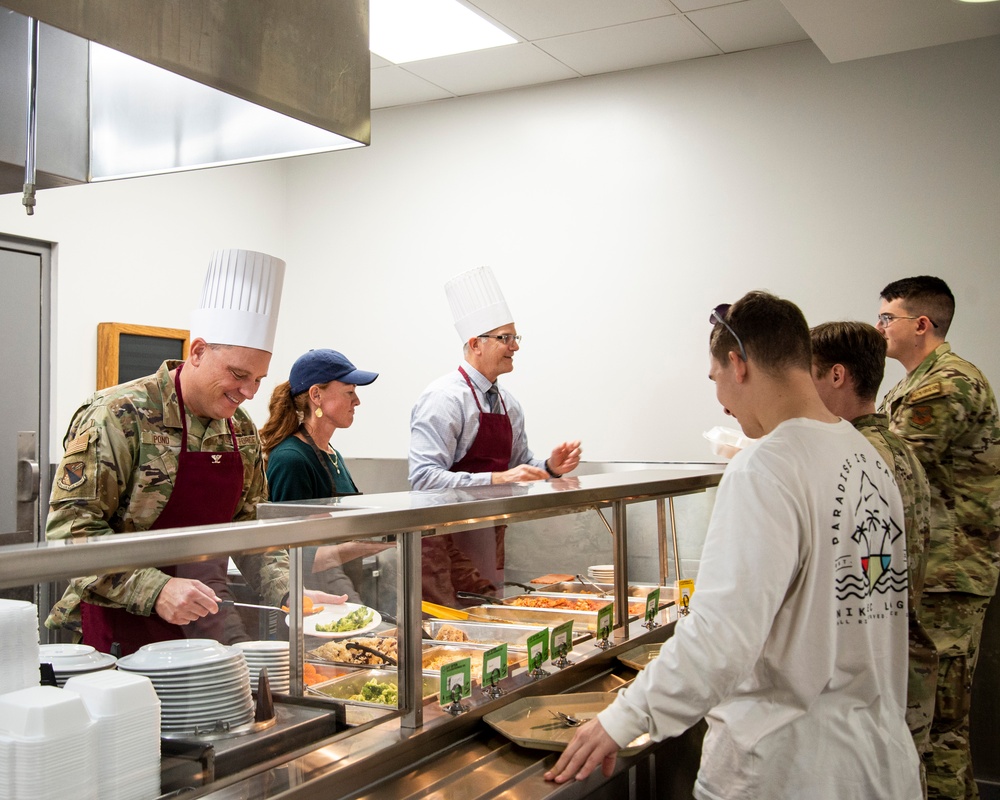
(68, 660)
(19, 654)
(271, 655)
(48, 746)
(202, 685)
(602, 573)
(126, 714)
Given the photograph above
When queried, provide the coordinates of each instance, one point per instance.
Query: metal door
(24, 391)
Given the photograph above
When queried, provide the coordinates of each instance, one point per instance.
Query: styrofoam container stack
(48, 746)
(126, 713)
(19, 654)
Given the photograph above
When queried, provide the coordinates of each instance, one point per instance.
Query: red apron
(207, 491)
(490, 452)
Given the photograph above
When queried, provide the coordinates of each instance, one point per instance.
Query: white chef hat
(477, 304)
(239, 304)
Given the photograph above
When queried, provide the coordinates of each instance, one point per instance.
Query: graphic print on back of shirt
(870, 565)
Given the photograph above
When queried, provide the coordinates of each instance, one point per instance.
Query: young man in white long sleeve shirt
(795, 648)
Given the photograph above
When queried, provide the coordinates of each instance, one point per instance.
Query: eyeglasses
(887, 319)
(506, 338)
(718, 315)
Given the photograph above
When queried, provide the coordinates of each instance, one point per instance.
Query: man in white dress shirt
(466, 430)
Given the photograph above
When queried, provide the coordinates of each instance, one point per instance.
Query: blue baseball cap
(323, 366)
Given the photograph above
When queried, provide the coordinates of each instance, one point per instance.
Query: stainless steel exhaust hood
(134, 87)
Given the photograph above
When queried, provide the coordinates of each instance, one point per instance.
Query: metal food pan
(454, 651)
(492, 634)
(343, 687)
(636, 590)
(544, 617)
(591, 599)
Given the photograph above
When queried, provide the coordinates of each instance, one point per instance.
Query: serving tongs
(604, 592)
(568, 720)
(372, 652)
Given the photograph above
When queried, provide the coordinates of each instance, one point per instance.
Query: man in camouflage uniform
(848, 361)
(946, 411)
(115, 477)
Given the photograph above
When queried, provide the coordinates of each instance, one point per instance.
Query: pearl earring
(319, 412)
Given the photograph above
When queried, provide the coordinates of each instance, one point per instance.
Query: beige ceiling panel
(394, 86)
(744, 26)
(542, 19)
(638, 44)
(490, 70)
(849, 29)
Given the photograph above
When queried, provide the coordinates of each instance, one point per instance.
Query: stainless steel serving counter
(416, 743)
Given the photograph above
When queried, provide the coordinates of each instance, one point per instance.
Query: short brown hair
(855, 345)
(774, 332)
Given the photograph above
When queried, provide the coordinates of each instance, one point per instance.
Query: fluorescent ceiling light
(412, 30)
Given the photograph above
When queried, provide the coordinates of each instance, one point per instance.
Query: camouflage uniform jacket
(916, 493)
(116, 476)
(946, 412)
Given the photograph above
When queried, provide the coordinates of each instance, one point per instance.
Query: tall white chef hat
(477, 304)
(239, 304)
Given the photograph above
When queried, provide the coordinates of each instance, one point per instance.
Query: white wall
(617, 210)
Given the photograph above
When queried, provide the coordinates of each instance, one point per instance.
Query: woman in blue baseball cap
(319, 397)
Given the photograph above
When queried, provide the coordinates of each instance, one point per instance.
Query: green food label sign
(494, 665)
(538, 648)
(456, 681)
(605, 621)
(652, 604)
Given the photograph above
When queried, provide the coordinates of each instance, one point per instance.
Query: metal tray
(639, 657)
(529, 721)
(590, 599)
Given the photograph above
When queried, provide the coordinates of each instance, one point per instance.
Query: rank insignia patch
(922, 416)
(73, 476)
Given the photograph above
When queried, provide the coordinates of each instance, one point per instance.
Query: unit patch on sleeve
(922, 416)
(72, 476)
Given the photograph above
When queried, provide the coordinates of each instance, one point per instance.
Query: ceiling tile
(489, 70)
(693, 5)
(742, 26)
(394, 86)
(638, 44)
(849, 29)
(542, 19)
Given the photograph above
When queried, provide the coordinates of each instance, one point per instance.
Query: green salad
(351, 621)
(376, 692)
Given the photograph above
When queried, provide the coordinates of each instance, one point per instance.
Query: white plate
(73, 657)
(177, 654)
(332, 614)
(264, 648)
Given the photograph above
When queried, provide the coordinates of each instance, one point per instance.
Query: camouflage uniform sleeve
(91, 479)
(267, 573)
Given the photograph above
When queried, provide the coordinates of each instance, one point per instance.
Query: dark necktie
(493, 395)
